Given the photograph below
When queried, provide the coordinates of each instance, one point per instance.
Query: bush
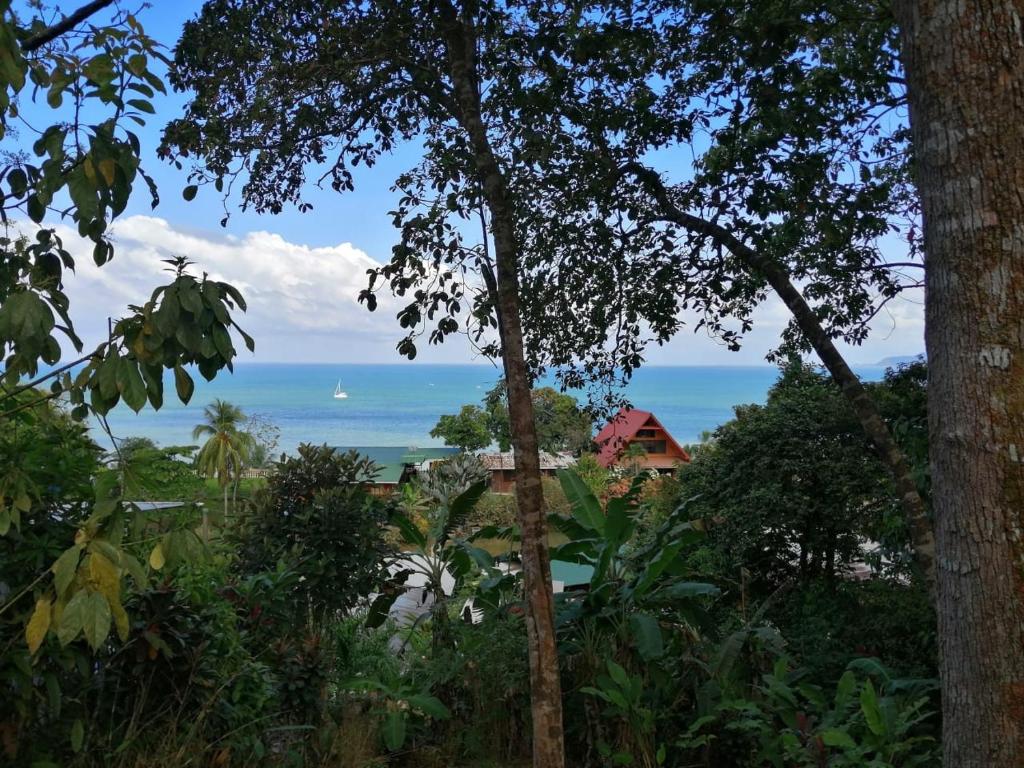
(316, 519)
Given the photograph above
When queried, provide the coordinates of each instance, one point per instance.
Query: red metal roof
(622, 428)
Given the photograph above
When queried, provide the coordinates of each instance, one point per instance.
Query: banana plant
(634, 590)
(437, 554)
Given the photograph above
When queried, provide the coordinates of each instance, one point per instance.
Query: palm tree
(226, 449)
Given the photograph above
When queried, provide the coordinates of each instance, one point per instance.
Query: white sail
(339, 394)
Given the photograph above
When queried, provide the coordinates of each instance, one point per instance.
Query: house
(632, 427)
(502, 467)
(395, 465)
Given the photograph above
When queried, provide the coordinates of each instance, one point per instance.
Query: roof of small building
(505, 460)
(392, 460)
(622, 428)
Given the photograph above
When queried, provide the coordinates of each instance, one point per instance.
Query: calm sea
(398, 404)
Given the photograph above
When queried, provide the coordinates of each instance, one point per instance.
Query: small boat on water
(339, 393)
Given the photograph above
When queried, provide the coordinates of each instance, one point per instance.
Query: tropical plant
(437, 553)
(398, 703)
(227, 447)
(873, 719)
(639, 610)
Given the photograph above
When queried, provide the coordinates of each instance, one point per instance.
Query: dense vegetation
(779, 601)
(713, 629)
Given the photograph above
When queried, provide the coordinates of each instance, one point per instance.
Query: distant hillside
(889, 362)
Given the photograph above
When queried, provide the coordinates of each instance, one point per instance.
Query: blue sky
(302, 271)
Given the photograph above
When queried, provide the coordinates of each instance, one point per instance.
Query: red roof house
(642, 428)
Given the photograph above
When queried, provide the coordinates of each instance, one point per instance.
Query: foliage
(150, 473)
(316, 518)
(86, 171)
(562, 426)
(263, 439)
(467, 430)
(226, 451)
(786, 721)
(398, 703)
(796, 485)
(437, 552)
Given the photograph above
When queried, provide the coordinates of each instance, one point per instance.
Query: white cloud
(303, 301)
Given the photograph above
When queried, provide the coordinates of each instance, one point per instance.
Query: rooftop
(506, 460)
(391, 460)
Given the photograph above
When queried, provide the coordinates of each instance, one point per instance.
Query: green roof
(391, 460)
(571, 574)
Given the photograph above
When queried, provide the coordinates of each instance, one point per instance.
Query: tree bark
(870, 419)
(965, 75)
(545, 683)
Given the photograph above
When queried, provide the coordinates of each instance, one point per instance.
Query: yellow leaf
(106, 576)
(107, 169)
(156, 557)
(38, 625)
(90, 170)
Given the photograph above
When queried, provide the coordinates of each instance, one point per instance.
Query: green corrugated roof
(392, 460)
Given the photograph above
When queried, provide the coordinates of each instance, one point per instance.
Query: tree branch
(64, 25)
(871, 420)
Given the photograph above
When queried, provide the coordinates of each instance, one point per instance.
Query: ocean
(398, 405)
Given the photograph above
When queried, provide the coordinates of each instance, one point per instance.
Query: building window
(652, 446)
(646, 433)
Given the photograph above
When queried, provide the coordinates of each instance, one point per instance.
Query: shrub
(316, 519)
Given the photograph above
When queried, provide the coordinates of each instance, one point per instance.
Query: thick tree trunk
(965, 72)
(870, 419)
(545, 684)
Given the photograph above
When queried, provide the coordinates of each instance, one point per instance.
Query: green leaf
(130, 385)
(189, 192)
(393, 731)
(586, 509)
(77, 735)
(647, 634)
(64, 569)
(379, 608)
(410, 533)
(96, 619)
(72, 619)
(430, 706)
(869, 706)
(834, 737)
(619, 675)
(35, 208)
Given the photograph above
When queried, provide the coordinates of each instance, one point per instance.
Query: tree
(803, 170)
(351, 82)
(264, 435)
(966, 109)
(468, 430)
(562, 426)
(795, 486)
(317, 520)
(85, 171)
(226, 450)
(148, 472)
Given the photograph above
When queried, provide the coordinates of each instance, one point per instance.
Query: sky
(301, 272)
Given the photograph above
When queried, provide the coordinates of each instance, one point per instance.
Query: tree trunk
(545, 684)
(965, 72)
(870, 419)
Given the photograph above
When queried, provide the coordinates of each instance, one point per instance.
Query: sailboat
(339, 394)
